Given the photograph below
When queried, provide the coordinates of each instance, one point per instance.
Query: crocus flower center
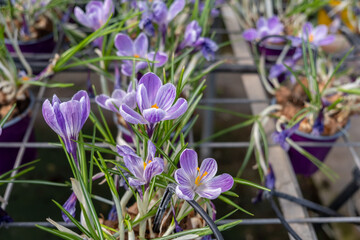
(136, 55)
(145, 164)
(25, 78)
(198, 178)
(155, 106)
(311, 37)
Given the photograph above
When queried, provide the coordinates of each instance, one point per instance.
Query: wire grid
(39, 63)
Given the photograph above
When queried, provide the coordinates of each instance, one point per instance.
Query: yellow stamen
(25, 78)
(145, 164)
(198, 179)
(136, 55)
(311, 38)
(155, 106)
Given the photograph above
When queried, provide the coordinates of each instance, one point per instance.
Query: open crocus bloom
(96, 15)
(143, 171)
(264, 28)
(138, 49)
(155, 101)
(191, 179)
(318, 36)
(118, 97)
(67, 118)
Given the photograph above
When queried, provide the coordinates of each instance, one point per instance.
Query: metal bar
(255, 221)
(21, 152)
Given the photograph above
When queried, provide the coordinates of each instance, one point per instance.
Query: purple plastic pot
(45, 44)
(272, 51)
(301, 164)
(14, 131)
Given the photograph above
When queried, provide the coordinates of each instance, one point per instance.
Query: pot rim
(33, 41)
(23, 114)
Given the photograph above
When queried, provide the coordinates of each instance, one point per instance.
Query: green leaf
(63, 235)
(248, 183)
(231, 203)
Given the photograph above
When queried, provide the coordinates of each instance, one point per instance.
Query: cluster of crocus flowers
(95, 16)
(192, 38)
(265, 27)
(202, 181)
(155, 102)
(157, 12)
(139, 49)
(67, 118)
(143, 171)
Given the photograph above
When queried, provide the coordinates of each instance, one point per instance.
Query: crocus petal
(154, 115)
(124, 45)
(209, 193)
(140, 66)
(125, 150)
(142, 98)
(152, 84)
(161, 58)
(160, 12)
(136, 182)
(127, 68)
(182, 178)
(141, 45)
(153, 168)
(175, 9)
(185, 193)
(320, 32)
(178, 109)
(223, 181)
(208, 169)
(108, 9)
(165, 96)
(135, 165)
(83, 97)
(81, 17)
(107, 103)
(70, 207)
(50, 118)
(327, 40)
(151, 150)
(307, 29)
(261, 22)
(250, 34)
(130, 99)
(131, 116)
(189, 162)
(276, 70)
(273, 22)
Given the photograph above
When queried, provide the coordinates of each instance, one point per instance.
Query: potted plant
(32, 25)
(151, 169)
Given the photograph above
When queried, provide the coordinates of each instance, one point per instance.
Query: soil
(191, 221)
(294, 98)
(21, 106)
(42, 27)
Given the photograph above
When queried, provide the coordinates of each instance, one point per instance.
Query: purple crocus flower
(96, 15)
(280, 137)
(264, 28)
(67, 118)
(118, 97)
(138, 49)
(192, 39)
(70, 207)
(160, 14)
(143, 171)
(191, 179)
(192, 34)
(318, 36)
(269, 183)
(112, 216)
(155, 102)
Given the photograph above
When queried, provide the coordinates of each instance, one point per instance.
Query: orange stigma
(155, 106)
(311, 37)
(145, 164)
(198, 178)
(136, 55)
(25, 78)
